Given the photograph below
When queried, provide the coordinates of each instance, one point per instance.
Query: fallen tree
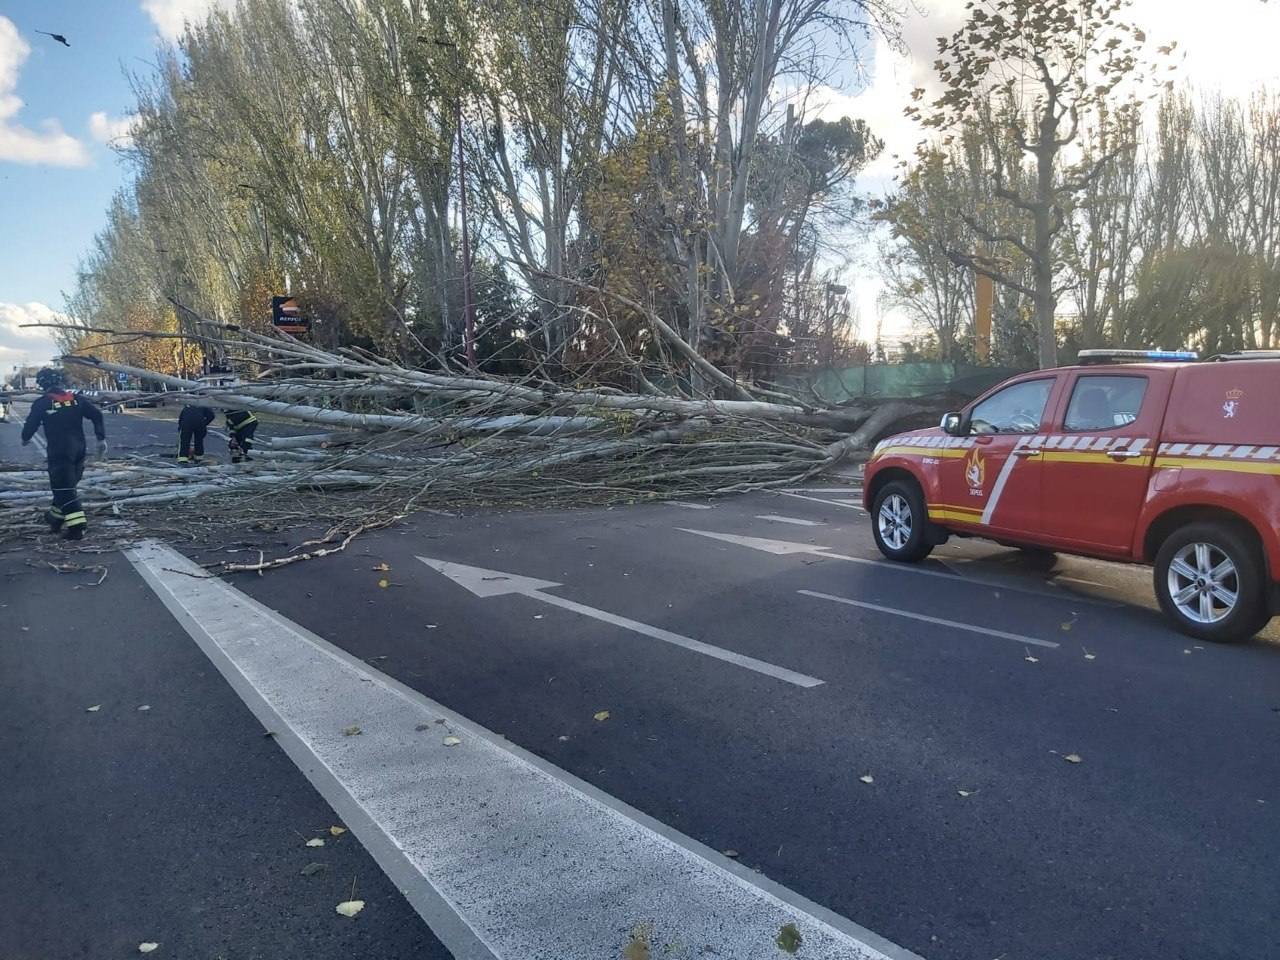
(405, 438)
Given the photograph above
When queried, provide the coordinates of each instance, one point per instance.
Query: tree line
(625, 163)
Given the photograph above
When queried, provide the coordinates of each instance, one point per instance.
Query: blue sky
(52, 202)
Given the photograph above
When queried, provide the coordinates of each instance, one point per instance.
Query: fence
(897, 381)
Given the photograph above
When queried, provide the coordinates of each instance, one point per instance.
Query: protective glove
(102, 448)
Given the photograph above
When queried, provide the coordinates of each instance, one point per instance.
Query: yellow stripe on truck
(1071, 456)
(964, 514)
(1232, 466)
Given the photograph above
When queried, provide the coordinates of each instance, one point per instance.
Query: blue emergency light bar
(1138, 356)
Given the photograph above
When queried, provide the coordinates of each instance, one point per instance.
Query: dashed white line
(845, 503)
(953, 624)
(505, 856)
(796, 521)
(687, 506)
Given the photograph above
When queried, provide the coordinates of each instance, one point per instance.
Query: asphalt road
(922, 789)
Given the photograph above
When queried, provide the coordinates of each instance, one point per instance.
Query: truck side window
(1015, 409)
(1104, 403)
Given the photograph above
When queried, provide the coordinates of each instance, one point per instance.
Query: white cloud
(170, 16)
(29, 344)
(114, 133)
(50, 144)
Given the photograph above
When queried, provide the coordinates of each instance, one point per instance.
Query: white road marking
(848, 504)
(687, 506)
(857, 490)
(504, 855)
(954, 624)
(778, 518)
(493, 583)
(785, 547)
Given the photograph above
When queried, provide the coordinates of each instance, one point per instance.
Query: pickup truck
(1156, 459)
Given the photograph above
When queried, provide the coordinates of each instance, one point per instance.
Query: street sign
(287, 317)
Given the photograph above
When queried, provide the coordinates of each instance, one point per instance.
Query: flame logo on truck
(975, 470)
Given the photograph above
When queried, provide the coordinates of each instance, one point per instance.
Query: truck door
(1098, 460)
(995, 486)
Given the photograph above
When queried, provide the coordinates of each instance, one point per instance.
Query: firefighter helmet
(51, 378)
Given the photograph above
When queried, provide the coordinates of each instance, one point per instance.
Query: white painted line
(494, 583)
(857, 490)
(785, 547)
(777, 518)
(687, 506)
(505, 856)
(847, 504)
(954, 624)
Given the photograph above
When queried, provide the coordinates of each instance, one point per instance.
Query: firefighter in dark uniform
(242, 425)
(62, 414)
(193, 424)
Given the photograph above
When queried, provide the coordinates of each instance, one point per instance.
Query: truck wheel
(900, 524)
(1211, 583)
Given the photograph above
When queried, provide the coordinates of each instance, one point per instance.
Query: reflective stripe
(76, 519)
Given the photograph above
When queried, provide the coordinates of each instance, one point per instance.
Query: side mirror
(951, 424)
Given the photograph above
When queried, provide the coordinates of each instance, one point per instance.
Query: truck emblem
(1232, 403)
(975, 470)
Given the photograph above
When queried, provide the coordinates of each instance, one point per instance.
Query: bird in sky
(56, 36)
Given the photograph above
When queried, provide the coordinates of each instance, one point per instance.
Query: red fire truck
(1151, 457)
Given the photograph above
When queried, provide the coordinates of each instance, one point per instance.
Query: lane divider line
(939, 621)
(504, 855)
(794, 521)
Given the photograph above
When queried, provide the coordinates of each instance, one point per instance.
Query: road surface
(684, 725)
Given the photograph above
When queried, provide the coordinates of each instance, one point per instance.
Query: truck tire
(900, 523)
(1211, 582)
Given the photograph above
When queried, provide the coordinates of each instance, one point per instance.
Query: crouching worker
(62, 414)
(242, 425)
(193, 424)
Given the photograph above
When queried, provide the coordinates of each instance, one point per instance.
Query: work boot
(55, 522)
(76, 532)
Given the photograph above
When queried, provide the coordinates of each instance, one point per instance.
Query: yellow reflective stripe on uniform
(75, 519)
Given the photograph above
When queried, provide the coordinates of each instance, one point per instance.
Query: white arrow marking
(493, 583)
(785, 547)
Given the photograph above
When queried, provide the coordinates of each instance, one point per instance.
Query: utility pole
(468, 297)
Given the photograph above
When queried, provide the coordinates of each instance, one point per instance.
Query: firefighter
(242, 425)
(62, 414)
(193, 424)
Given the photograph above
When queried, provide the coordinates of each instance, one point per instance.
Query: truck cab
(1140, 457)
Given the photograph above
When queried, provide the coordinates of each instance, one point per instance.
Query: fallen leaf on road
(602, 715)
(867, 778)
(311, 869)
(352, 731)
(432, 626)
(966, 793)
(382, 567)
(731, 854)
(788, 938)
(537, 616)
(451, 741)
(1073, 758)
(349, 908)
(562, 738)
(1030, 659)
(147, 947)
(422, 726)
(144, 708)
(383, 583)
(337, 831)
(1067, 625)
(637, 947)
(1088, 655)
(94, 709)
(315, 842)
